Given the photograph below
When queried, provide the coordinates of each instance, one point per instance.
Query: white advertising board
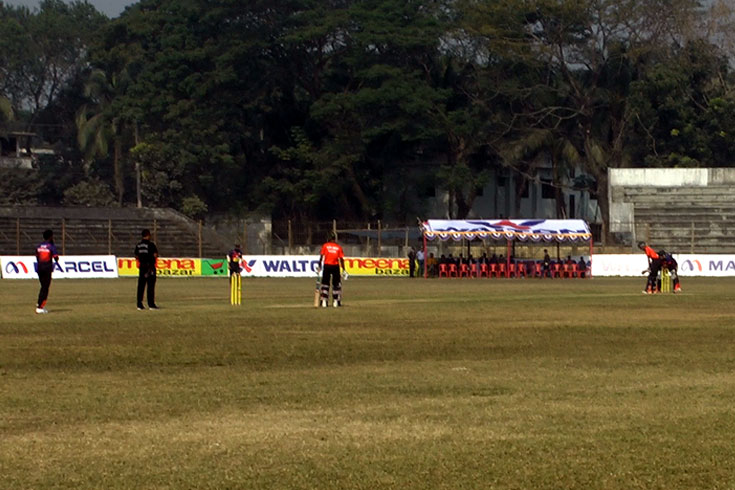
(306, 266)
(280, 265)
(69, 267)
(689, 265)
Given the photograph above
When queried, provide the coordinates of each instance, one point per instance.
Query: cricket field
(413, 384)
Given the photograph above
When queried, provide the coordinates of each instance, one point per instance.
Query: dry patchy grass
(413, 384)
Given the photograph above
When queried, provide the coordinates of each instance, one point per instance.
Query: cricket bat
(317, 292)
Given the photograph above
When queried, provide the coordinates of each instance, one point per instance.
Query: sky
(111, 8)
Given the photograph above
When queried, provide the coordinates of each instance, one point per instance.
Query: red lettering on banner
(376, 263)
(186, 264)
(175, 264)
(126, 264)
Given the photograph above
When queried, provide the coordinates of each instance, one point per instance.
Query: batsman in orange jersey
(332, 263)
(654, 266)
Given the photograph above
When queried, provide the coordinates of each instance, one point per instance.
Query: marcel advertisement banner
(307, 265)
(69, 267)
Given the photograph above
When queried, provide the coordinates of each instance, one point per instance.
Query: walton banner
(307, 265)
(69, 267)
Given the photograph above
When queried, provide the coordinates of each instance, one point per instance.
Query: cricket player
(654, 267)
(146, 254)
(234, 259)
(332, 263)
(46, 256)
(669, 263)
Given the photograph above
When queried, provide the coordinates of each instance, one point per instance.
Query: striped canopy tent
(524, 230)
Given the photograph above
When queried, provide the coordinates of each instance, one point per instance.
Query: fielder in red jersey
(46, 255)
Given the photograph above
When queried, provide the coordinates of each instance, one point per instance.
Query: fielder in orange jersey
(654, 266)
(332, 263)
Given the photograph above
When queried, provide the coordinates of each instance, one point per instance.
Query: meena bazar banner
(176, 267)
(69, 267)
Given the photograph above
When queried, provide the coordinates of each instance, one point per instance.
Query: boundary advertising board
(689, 265)
(176, 267)
(165, 266)
(306, 266)
(69, 267)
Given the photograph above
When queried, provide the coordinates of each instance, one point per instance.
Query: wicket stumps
(665, 281)
(235, 289)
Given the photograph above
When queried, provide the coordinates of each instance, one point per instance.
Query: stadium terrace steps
(101, 231)
(695, 219)
(682, 210)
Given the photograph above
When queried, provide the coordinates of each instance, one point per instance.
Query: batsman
(655, 261)
(332, 263)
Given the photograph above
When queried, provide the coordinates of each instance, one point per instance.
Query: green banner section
(214, 267)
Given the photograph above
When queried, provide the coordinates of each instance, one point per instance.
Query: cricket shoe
(337, 303)
(154, 307)
(141, 307)
(324, 303)
(41, 311)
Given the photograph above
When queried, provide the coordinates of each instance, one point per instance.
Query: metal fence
(117, 236)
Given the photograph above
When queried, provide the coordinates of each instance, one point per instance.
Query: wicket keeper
(234, 261)
(670, 264)
(46, 255)
(332, 263)
(234, 258)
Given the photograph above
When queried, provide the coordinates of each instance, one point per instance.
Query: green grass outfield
(503, 384)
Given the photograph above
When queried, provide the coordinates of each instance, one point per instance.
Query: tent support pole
(426, 265)
(591, 245)
(507, 260)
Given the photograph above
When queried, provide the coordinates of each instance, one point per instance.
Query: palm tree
(100, 124)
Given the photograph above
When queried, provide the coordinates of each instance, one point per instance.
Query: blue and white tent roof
(535, 230)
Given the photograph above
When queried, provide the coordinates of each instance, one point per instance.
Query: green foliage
(89, 193)
(193, 207)
(320, 110)
(161, 174)
(19, 187)
(42, 51)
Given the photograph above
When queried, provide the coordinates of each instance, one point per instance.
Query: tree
(102, 123)
(43, 51)
(370, 107)
(685, 110)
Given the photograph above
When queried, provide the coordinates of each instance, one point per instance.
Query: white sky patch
(111, 8)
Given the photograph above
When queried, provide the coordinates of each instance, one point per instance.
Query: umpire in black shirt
(146, 254)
